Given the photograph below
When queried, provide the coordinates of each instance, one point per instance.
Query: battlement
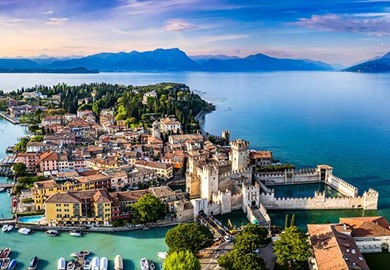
(308, 171)
(209, 168)
(341, 181)
(224, 163)
(236, 172)
(371, 193)
(239, 145)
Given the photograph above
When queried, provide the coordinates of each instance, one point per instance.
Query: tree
(19, 168)
(188, 236)
(148, 209)
(252, 237)
(237, 259)
(292, 249)
(286, 223)
(293, 222)
(181, 260)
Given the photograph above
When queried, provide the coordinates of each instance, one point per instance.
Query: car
(227, 238)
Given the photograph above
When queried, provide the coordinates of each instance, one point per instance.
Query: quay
(10, 119)
(7, 185)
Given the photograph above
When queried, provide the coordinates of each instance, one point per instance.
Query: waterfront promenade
(8, 118)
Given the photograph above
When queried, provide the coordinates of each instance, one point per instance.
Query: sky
(334, 31)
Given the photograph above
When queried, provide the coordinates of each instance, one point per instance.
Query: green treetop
(148, 209)
(182, 260)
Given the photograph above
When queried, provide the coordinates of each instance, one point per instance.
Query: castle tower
(156, 129)
(208, 180)
(226, 136)
(239, 154)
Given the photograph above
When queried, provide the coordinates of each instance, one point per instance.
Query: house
(170, 124)
(118, 178)
(48, 163)
(31, 160)
(163, 170)
(51, 120)
(260, 158)
(181, 139)
(147, 95)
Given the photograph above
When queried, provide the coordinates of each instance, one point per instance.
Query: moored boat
(12, 264)
(152, 266)
(24, 231)
(4, 228)
(2, 189)
(118, 262)
(162, 255)
(76, 233)
(103, 263)
(144, 264)
(87, 264)
(82, 253)
(95, 264)
(5, 253)
(61, 265)
(33, 263)
(52, 233)
(5, 264)
(10, 228)
(71, 265)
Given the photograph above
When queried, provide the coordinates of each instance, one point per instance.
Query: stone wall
(341, 186)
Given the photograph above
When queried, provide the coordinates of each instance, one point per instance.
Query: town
(84, 167)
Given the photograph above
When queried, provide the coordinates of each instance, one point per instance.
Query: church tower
(239, 154)
(156, 129)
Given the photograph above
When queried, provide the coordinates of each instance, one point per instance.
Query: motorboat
(79, 254)
(144, 264)
(71, 265)
(5, 263)
(4, 228)
(33, 263)
(76, 233)
(52, 233)
(95, 264)
(152, 266)
(5, 253)
(103, 263)
(162, 255)
(24, 231)
(87, 264)
(2, 189)
(61, 265)
(12, 264)
(10, 228)
(118, 262)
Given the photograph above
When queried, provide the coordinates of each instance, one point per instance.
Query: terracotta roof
(49, 156)
(161, 192)
(46, 184)
(367, 226)
(134, 195)
(62, 198)
(170, 121)
(101, 196)
(260, 154)
(334, 250)
(154, 165)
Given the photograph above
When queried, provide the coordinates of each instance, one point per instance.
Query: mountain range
(377, 65)
(163, 60)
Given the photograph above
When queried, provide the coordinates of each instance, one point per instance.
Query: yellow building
(79, 208)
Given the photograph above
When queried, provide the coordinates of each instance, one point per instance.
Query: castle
(222, 181)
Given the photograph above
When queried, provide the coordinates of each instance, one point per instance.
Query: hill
(379, 65)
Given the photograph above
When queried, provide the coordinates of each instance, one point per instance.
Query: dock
(10, 119)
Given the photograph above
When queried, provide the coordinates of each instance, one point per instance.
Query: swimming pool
(30, 219)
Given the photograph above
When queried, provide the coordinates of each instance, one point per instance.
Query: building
(181, 139)
(170, 124)
(163, 170)
(260, 158)
(48, 163)
(146, 96)
(31, 160)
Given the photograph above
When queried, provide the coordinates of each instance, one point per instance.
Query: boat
(24, 231)
(52, 233)
(118, 262)
(71, 265)
(95, 265)
(87, 264)
(5, 263)
(33, 263)
(5, 253)
(162, 255)
(12, 264)
(76, 233)
(82, 253)
(9, 191)
(10, 228)
(61, 265)
(152, 266)
(103, 263)
(4, 228)
(2, 189)
(144, 264)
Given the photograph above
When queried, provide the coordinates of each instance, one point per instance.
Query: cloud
(49, 12)
(57, 21)
(178, 25)
(376, 25)
(11, 22)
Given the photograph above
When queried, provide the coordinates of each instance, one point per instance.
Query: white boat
(10, 228)
(4, 228)
(71, 265)
(5, 263)
(95, 264)
(52, 233)
(61, 265)
(33, 263)
(76, 233)
(24, 231)
(2, 189)
(162, 255)
(152, 266)
(144, 264)
(103, 263)
(118, 262)
(87, 264)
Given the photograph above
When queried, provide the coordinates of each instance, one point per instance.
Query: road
(209, 262)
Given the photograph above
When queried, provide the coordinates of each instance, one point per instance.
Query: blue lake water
(305, 118)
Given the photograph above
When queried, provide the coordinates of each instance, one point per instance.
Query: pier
(10, 119)
(7, 185)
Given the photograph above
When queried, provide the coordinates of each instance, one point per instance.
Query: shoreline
(9, 119)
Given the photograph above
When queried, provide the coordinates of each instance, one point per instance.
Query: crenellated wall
(341, 186)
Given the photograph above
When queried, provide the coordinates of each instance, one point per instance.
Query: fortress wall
(236, 201)
(342, 186)
(224, 184)
(303, 177)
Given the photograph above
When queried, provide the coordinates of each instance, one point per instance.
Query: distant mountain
(163, 60)
(262, 62)
(378, 65)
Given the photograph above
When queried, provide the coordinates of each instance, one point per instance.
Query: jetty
(10, 119)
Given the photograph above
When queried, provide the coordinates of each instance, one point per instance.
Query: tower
(156, 129)
(208, 180)
(239, 154)
(226, 136)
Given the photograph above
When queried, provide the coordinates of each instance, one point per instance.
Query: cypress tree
(286, 223)
(293, 223)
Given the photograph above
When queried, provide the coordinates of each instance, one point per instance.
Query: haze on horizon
(334, 31)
